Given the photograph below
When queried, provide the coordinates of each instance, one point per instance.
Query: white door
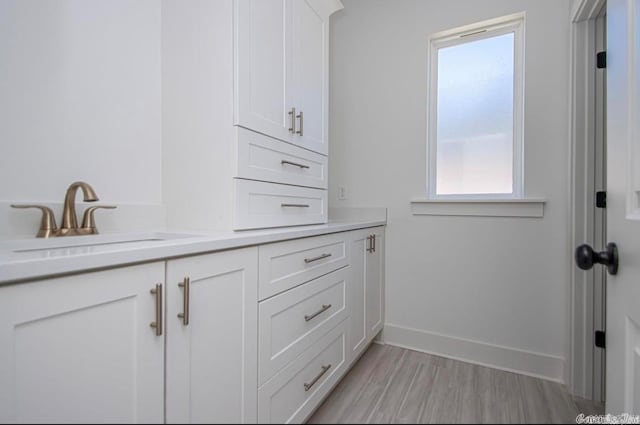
(309, 75)
(262, 48)
(212, 338)
(374, 284)
(361, 241)
(80, 349)
(623, 215)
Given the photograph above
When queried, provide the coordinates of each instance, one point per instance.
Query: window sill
(525, 208)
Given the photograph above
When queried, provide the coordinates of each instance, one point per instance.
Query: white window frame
(488, 29)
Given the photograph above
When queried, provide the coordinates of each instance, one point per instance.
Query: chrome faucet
(48, 226)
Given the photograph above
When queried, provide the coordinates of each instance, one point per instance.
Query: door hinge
(601, 61)
(601, 339)
(601, 199)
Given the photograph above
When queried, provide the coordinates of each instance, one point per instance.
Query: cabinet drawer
(263, 158)
(285, 265)
(294, 393)
(262, 205)
(291, 322)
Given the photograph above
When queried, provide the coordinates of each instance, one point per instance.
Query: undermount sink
(73, 242)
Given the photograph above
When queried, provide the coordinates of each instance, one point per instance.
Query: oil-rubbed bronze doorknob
(586, 257)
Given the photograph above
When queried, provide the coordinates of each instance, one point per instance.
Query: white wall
(80, 99)
(489, 290)
(198, 134)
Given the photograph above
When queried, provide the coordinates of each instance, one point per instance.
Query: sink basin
(87, 242)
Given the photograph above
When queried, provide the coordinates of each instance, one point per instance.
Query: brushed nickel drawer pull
(294, 164)
(186, 286)
(317, 313)
(157, 325)
(313, 260)
(295, 206)
(310, 385)
(292, 114)
(301, 131)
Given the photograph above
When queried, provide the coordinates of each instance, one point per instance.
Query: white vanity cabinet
(257, 334)
(322, 304)
(282, 69)
(367, 288)
(81, 348)
(212, 333)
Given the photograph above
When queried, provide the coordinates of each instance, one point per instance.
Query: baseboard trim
(543, 366)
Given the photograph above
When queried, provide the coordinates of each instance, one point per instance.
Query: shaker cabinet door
(309, 75)
(212, 338)
(79, 349)
(262, 55)
(374, 276)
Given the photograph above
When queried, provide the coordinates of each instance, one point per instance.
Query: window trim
(483, 30)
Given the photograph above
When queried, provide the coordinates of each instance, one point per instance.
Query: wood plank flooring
(394, 385)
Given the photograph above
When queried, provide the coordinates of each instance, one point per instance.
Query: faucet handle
(88, 221)
(48, 225)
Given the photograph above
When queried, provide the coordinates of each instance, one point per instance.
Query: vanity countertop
(30, 259)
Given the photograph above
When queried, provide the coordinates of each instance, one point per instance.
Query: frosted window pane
(475, 117)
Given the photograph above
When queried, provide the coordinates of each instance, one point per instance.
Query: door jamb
(580, 371)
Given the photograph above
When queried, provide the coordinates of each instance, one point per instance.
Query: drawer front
(263, 158)
(291, 322)
(285, 265)
(260, 205)
(294, 393)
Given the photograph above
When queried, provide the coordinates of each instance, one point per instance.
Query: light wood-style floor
(394, 385)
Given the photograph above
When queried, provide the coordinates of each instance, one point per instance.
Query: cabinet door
(262, 96)
(309, 74)
(374, 281)
(212, 360)
(360, 240)
(80, 349)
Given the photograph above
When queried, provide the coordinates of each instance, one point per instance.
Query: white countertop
(29, 259)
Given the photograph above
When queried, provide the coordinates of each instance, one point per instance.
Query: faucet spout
(69, 216)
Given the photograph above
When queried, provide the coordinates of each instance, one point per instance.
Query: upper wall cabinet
(282, 69)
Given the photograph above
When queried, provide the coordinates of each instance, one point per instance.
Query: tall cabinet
(281, 111)
(246, 139)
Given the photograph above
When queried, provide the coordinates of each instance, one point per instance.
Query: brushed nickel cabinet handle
(317, 313)
(157, 325)
(292, 114)
(294, 164)
(295, 206)
(301, 131)
(374, 242)
(313, 260)
(310, 385)
(370, 243)
(186, 286)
